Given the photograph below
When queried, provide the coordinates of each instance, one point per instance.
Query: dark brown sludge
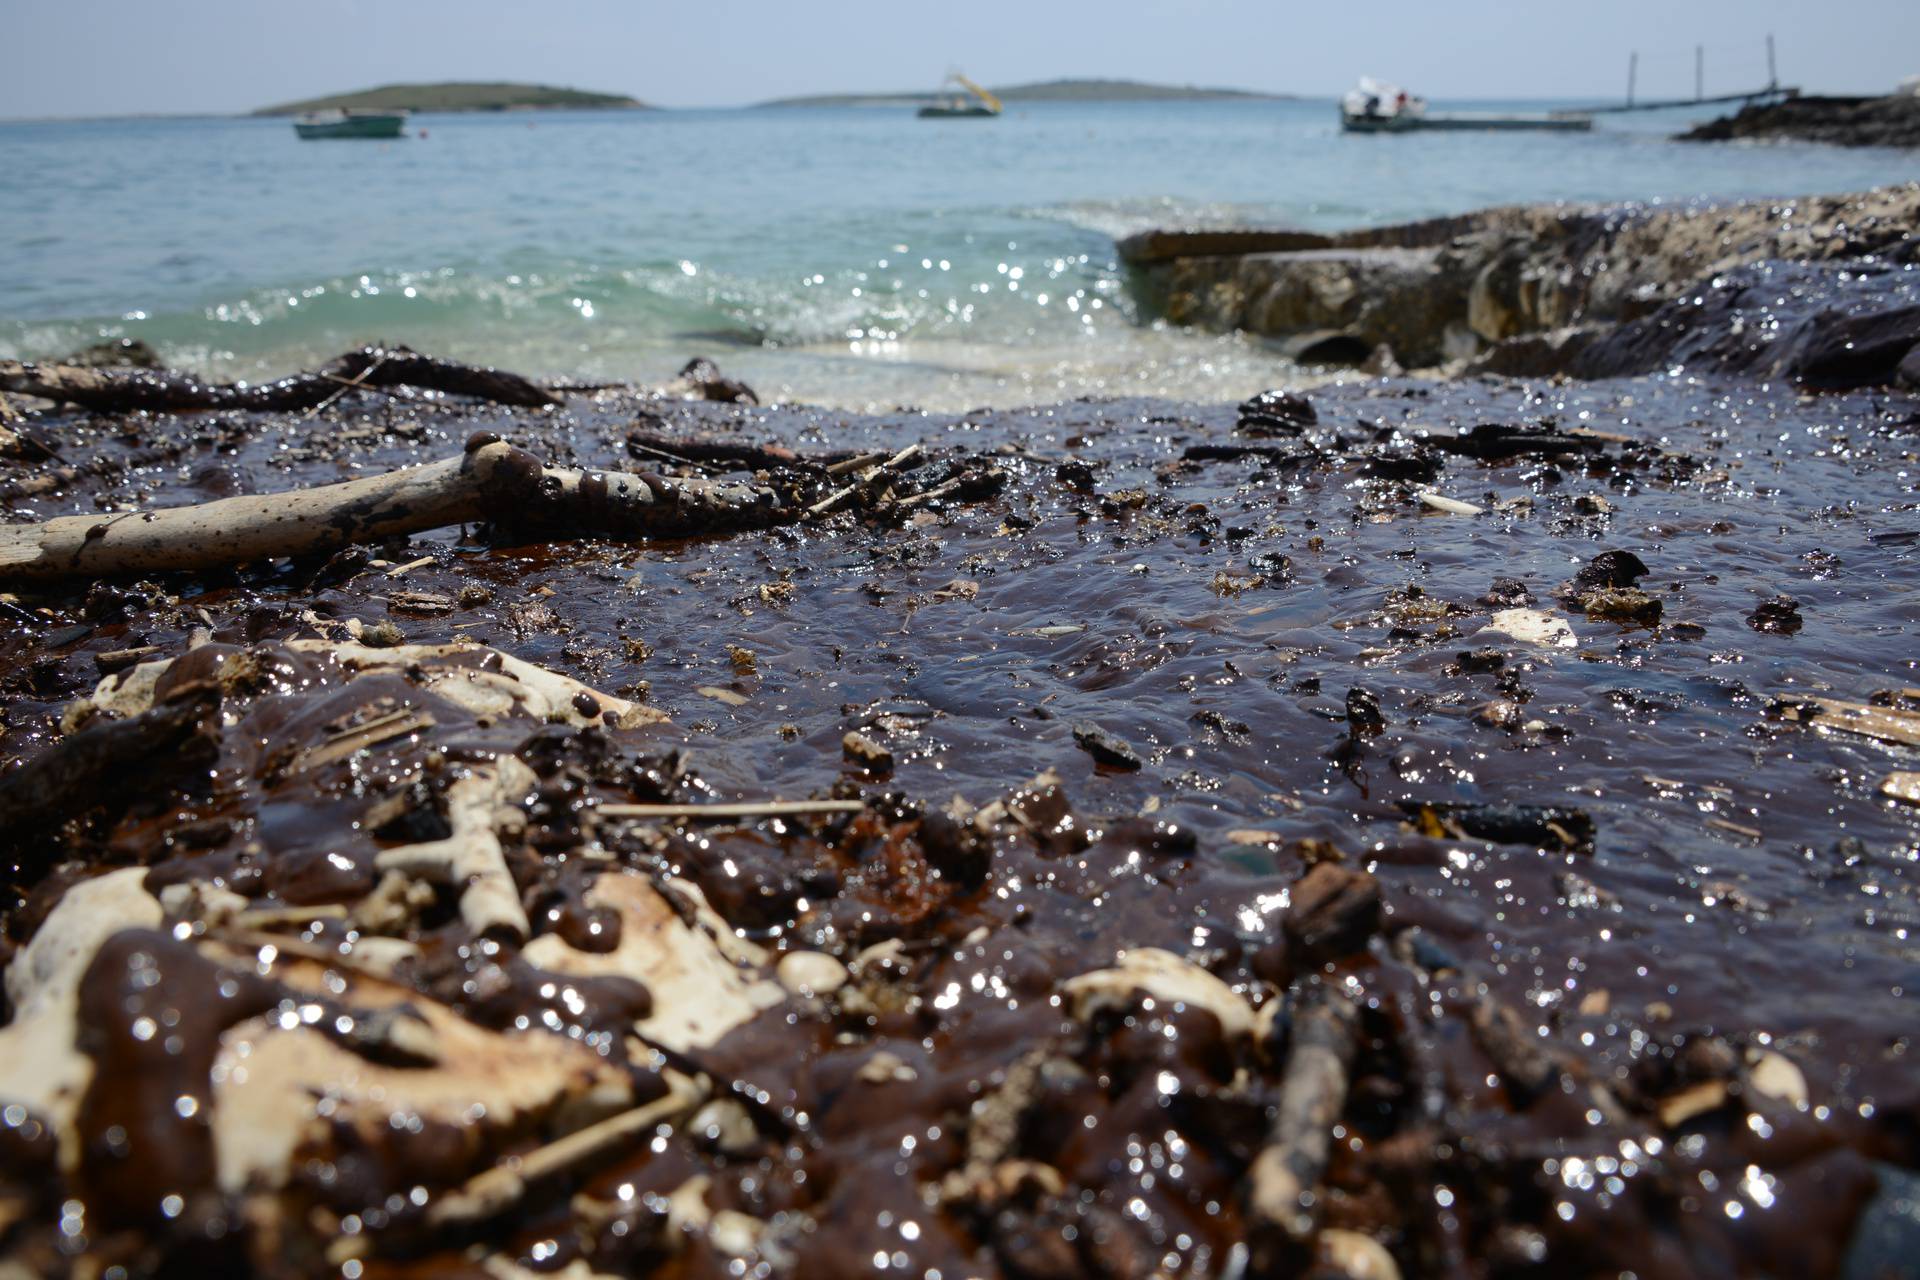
(1251, 869)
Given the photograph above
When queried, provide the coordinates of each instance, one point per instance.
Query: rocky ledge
(1778, 288)
(1892, 121)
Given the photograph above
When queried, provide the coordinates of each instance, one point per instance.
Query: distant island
(459, 96)
(1040, 91)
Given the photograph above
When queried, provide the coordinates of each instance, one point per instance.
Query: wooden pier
(1773, 88)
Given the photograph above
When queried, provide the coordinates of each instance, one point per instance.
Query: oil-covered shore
(1445, 828)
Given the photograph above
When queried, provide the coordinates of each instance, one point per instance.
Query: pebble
(1334, 911)
(1534, 626)
(1903, 785)
(1452, 506)
(887, 1067)
(1774, 1075)
(1355, 1256)
(1778, 616)
(1481, 660)
(1105, 748)
(1691, 1102)
(811, 973)
(1507, 593)
(867, 753)
(725, 1125)
(383, 635)
(1610, 569)
(1276, 413)
(1621, 604)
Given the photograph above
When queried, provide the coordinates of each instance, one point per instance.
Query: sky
(120, 57)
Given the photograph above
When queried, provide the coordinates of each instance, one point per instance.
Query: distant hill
(1118, 91)
(459, 96)
(1040, 91)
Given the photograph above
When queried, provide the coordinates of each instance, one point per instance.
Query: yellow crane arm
(977, 91)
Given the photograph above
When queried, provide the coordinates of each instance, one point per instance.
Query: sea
(853, 256)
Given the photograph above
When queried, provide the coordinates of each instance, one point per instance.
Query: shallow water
(843, 256)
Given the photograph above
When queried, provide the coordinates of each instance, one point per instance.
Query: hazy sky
(102, 57)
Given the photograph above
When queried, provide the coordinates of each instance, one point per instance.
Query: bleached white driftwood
(479, 807)
(491, 481)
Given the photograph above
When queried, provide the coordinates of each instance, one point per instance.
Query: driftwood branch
(492, 481)
(125, 389)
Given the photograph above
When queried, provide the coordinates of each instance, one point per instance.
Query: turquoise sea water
(854, 256)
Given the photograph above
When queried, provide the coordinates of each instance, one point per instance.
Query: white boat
(1379, 107)
(350, 123)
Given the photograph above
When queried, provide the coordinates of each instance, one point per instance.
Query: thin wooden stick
(897, 462)
(486, 1194)
(934, 494)
(638, 446)
(847, 466)
(727, 455)
(347, 384)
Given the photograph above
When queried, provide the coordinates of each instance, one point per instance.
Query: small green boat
(350, 124)
(972, 102)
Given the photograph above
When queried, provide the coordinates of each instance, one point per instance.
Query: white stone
(1534, 626)
(811, 973)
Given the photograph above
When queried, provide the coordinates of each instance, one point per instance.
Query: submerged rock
(1276, 413)
(1828, 324)
(1335, 910)
(1780, 616)
(1621, 604)
(117, 353)
(1108, 749)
